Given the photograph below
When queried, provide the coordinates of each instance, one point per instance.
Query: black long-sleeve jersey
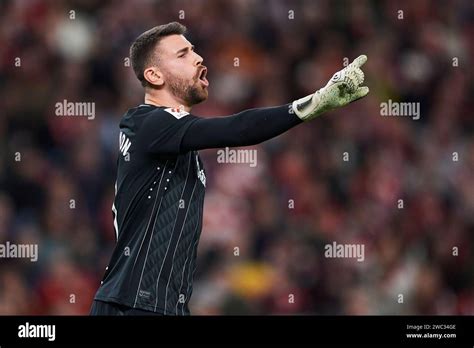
(159, 198)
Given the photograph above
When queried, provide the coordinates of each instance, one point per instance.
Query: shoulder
(175, 112)
(147, 117)
(168, 116)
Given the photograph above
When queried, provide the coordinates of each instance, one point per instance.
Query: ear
(154, 76)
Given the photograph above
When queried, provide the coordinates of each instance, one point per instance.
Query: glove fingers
(360, 93)
(359, 61)
(356, 76)
(360, 76)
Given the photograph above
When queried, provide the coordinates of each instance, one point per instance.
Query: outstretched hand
(343, 88)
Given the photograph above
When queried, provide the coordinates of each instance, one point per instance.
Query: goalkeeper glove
(343, 88)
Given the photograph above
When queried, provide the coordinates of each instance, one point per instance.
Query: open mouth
(202, 77)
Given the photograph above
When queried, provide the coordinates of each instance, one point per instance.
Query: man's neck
(165, 100)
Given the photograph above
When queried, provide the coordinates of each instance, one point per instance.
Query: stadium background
(281, 268)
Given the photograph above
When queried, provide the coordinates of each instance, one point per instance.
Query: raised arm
(172, 132)
(248, 127)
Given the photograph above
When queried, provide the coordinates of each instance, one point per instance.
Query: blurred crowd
(401, 187)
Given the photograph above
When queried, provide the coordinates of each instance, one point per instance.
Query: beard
(190, 94)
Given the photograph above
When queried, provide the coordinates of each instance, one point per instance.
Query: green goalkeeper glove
(343, 88)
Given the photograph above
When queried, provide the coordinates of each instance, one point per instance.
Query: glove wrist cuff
(306, 108)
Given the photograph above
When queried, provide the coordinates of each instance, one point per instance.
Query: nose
(199, 59)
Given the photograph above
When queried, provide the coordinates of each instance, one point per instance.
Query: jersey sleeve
(170, 133)
(248, 127)
(162, 131)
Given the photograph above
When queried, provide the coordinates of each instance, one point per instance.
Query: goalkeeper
(159, 193)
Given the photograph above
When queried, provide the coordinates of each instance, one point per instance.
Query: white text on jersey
(125, 144)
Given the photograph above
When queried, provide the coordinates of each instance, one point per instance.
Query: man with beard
(159, 192)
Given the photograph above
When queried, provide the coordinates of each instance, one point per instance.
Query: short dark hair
(142, 49)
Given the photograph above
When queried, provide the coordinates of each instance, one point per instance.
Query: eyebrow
(185, 49)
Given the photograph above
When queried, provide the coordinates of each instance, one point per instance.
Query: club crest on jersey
(177, 112)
